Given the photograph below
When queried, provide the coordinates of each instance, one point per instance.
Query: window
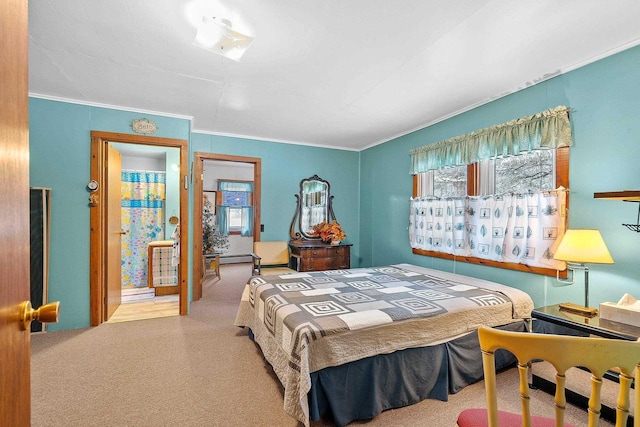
(453, 223)
(489, 197)
(525, 173)
(235, 207)
(236, 200)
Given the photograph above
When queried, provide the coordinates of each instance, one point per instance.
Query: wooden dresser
(314, 255)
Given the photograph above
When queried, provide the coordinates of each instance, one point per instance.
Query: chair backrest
(272, 253)
(595, 354)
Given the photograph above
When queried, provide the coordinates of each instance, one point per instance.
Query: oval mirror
(314, 206)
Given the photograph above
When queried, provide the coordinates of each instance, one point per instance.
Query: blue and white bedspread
(305, 322)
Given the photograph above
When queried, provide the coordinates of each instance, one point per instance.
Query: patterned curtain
(520, 228)
(439, 225)
(143, 195)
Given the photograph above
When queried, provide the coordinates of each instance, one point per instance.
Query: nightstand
(589, 325)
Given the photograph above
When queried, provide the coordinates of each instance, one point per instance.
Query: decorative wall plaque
(144, 126)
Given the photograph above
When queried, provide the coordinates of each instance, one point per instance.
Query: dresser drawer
(321, 257)
(318, 264)
(315, 253)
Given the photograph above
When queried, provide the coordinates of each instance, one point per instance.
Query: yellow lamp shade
(583, 246)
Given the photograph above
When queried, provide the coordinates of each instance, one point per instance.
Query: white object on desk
(627, 310)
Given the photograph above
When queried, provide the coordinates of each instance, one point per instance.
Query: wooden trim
(414, 189)
(562, 167)
(562, 180)
(490, 263)
(473, 189)
(198, 168)
(198, 268)
(96, 235)
(99, 140)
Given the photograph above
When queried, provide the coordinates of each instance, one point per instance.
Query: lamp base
(578, 309)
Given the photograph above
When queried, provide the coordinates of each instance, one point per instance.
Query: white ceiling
(336, 73)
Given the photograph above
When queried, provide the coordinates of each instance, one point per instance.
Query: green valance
(546, 130)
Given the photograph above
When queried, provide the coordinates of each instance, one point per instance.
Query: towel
(164, 272)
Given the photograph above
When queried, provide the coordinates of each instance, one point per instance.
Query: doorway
(198, 169)
(149, 207)
(105, 280)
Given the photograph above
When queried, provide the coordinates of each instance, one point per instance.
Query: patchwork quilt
(305, 322)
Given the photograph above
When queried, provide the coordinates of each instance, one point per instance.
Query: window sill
(490, 263)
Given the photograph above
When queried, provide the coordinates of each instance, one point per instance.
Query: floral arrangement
(329, 231)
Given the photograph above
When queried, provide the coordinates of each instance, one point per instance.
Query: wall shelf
(625, 196)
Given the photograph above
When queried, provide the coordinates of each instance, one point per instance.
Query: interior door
(113, 281)
(15, 354)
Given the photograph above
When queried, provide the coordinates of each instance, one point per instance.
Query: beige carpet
(196, 370)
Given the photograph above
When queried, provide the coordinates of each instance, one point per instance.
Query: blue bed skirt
(362, 389)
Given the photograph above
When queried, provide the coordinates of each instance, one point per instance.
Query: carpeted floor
(196, 370)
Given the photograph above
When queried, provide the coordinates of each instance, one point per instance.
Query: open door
(113, 254)
(15, 353)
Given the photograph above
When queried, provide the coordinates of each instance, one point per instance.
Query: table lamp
(580, 246)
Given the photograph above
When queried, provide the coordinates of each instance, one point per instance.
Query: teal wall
(60, 155)
(604, 98)
(371, 188)
(283, 166)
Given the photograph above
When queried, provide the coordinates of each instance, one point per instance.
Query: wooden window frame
(562, 179)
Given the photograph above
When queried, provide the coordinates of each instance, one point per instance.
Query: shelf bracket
(635, 227)
(625, 196)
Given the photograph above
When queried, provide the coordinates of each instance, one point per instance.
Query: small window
(235, 198)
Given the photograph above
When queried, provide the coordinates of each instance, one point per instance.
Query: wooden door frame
(98, 238)
(198, 177)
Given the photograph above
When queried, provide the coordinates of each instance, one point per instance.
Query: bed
(348, 344)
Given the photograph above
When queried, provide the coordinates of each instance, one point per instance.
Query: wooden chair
(595, 354)
(271, 258)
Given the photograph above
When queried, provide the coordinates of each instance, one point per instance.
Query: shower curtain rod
(144, 170)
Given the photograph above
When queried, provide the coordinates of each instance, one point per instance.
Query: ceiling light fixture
(215, 35)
